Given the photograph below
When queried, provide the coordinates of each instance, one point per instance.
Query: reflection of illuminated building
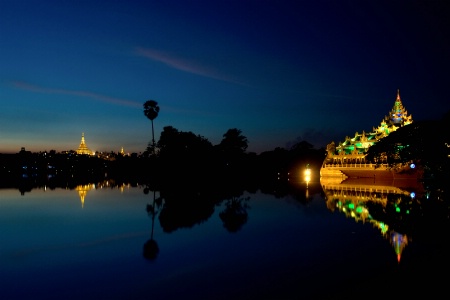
(111, 183)
(82, 191)
(399, 242)
(359, 190)
(354, 196)
(83, 149)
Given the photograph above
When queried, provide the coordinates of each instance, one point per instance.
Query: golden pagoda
(83, 149)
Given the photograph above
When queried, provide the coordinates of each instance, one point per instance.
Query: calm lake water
(93, 242)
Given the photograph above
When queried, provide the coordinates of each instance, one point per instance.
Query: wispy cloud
(116, 101)
(86, 94)
(182, 65)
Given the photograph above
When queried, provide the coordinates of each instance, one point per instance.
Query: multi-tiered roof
(398, 117)
(356, 147)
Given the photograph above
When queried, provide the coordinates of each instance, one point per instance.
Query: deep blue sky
(280, 71)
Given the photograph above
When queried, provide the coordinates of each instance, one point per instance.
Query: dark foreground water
(96, 242)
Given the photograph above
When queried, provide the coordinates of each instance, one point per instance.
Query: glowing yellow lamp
(307, 174)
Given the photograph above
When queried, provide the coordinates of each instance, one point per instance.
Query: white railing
(357, 165)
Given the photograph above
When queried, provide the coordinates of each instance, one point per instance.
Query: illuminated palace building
(348, 157)
(369, 193)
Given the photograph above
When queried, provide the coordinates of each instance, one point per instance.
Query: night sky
(280, 71)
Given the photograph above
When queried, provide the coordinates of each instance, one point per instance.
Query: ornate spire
(83, 149)
(398, 114)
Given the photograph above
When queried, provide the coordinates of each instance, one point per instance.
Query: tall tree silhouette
(231, 150)
(233, 141)
(151, 110)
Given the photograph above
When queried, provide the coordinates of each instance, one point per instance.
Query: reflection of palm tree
(235, 215)
(151, 110)
(151, 248)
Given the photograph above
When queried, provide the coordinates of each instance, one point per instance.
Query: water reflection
(151, 248)
(235, 215)
(184, 227)
(394, 207)
(82, 191)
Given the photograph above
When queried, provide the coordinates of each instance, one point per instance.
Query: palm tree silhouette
(151, 110)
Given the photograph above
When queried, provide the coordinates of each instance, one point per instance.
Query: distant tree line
(180, 156)
(177, 156)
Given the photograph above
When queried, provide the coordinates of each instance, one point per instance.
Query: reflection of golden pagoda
(83, 149)
(82, 191)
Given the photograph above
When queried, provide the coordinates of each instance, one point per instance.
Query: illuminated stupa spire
(83, 149)
(398, 114)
